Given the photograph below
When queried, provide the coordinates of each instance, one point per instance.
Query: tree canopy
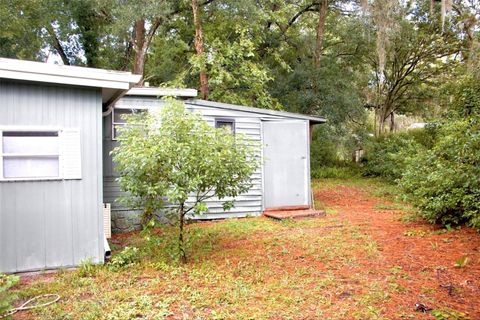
(341, 59)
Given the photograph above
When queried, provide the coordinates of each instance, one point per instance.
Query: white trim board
(162, 92)
(113, 83)
(54, 73)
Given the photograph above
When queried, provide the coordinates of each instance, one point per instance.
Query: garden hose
(29, 304)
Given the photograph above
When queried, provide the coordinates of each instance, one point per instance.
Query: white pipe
(109, 110)
(106, 248)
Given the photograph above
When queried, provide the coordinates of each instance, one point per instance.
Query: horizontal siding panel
(213, 216)
(240, 115)
(246, 123)
(248, 131)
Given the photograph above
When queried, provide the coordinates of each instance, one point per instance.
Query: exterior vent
(107, 220)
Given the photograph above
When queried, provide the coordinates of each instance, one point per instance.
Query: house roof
(113, 83)
(227, 106)
(192, 93)
(162, 92)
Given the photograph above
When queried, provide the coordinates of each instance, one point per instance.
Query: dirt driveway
(437, 268)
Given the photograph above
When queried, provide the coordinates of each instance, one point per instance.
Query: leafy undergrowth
(359, 262)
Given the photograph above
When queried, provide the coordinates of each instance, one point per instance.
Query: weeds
(125, 258)
(462, 262)
(87, 268)
(446, 314)
(6, 295)
(345, 172)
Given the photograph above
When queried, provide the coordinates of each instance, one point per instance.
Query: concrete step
(293, 214)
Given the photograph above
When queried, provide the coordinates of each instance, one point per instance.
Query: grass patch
(290, 269)
(253, 268)
(394, 206)
(339, 172)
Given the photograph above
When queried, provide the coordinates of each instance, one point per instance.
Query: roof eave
(113, 83)
(313, 120)
(162, 92)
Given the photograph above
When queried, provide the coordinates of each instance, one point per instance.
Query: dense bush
(323, 149)
(6, 296)
(387, 156)
(125, 258)
(331, 152)
(444, 182)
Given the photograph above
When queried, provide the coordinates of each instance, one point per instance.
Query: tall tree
(139, 22)
(322, 18)
(199, 48)
(415, 56)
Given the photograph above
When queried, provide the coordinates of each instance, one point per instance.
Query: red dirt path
(422, 251)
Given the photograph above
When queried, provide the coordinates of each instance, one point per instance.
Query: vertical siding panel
(30, 234)
(8, 244)
(98, 194)
(78, 208)
(58, 240)
(91, 213)
(52, 223)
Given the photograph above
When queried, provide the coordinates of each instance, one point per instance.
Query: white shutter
(71, 154)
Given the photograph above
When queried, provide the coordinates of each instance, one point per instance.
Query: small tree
(173, 155)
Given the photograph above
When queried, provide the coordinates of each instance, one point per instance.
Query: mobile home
(51, 190)
(57, 128)
(283, 179)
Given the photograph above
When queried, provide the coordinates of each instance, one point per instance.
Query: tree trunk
(322, 16)
(181, 242)
(392, 122)
(139, 47)
(147, 215)
(382, 119)
(199, 49)
(381, 126)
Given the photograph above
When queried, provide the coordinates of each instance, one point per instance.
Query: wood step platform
(299, 212)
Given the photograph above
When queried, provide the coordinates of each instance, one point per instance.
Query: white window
(39, 154)
(118, 119)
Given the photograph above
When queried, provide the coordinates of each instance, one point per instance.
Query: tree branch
(58, 46)
(308, 8)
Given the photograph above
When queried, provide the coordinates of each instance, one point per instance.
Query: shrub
(323, 150)
(176, 156)
(127, 257)
(444, 182)
(6, 296)
(387, 156)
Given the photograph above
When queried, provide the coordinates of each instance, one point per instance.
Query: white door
(285, 152)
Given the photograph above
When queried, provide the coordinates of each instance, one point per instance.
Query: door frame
(308, 177)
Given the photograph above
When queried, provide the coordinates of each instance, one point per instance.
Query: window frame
(218, 121)
(30, 129)
(114, 124)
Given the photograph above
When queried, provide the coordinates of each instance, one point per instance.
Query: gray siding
(48, 224)
(245, 122)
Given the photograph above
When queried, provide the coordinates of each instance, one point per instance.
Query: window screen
(30, 154)
(117, 119)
